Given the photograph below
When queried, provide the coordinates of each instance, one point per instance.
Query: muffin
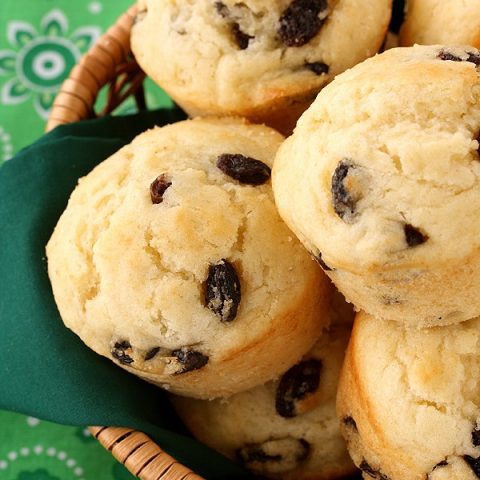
(409, 400)
(448, 22)
(264, 60)
(171, 260)
(286, 429)
(381, 182)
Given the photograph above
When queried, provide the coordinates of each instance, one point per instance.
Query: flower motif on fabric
(41, 59)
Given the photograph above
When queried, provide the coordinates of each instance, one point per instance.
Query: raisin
(350, 422)
(158, 187)
(119, 351)
(413, 236)
(222, 292)
(254, 453)
(472, 57)
(443, 55)
(476, 436)
(241, 38)
(301, 380)
(344, 202)
(474, 464)
(222, 9)
(151, 353)
(244, 169)
(320, 261)
(300, 21)
(284, 453)
(366, 468)
(190, 359)
(318, 68)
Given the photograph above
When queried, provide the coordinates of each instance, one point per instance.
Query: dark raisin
(413, 236)
(190, 359)
(222, 9)
(287, 451)
(301, 380)
(320, 261)
(474, 464)
(222, 292)
(241, 38)
(158, 187)
(151, 353)
(472, 57)
(443, 55)
(119, 351)
(366, 468)
(244, 169)
(254, 453)
(350, 422)
(300, 21)
(344, 202)
(318, 68)
(476, 436)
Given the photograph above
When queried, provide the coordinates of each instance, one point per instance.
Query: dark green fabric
(45, 370)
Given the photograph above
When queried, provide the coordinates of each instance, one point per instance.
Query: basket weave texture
(110, 62)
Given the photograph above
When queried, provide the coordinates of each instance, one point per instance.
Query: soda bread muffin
(409, 400)
(381, 182)
(265, 60)
(171, 260)
(431, 22)
(286, 429)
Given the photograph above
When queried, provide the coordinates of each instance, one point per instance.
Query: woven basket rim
(109, 61)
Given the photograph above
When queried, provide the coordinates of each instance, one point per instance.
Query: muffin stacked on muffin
(171, 260)
(264, 60)
(381, 181)
(286, 429)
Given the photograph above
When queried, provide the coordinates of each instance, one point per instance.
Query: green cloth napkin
(46, 371)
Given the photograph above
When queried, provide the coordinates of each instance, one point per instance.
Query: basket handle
(140, 455)
(108, 61)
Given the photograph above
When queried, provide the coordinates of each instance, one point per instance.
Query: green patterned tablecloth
(40, 40)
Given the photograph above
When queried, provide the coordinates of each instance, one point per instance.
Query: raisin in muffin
(265, 60)
(409, 400)
(431, 22)
(381, 181)
(171, 260)
(287, 428)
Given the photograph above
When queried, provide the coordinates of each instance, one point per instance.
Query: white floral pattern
(41, 59)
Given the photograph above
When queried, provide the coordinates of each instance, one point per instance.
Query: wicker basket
(109, 62)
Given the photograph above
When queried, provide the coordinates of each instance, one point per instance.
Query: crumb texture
(248, 427)
(447, 22)
(381, 177)
(253, 58)
(414, 395)
(207, 277)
